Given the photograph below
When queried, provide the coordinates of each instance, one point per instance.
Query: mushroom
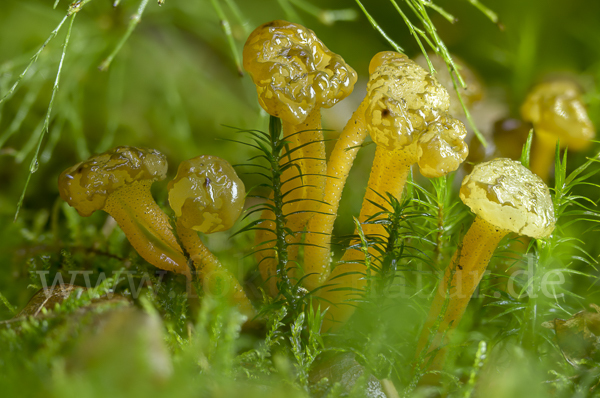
(296, 75)
(407, 117)
(557, 112)
(208, 196)
(505, 197)
(320, 226)
(118, 182)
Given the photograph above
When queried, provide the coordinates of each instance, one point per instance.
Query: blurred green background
(174, 86)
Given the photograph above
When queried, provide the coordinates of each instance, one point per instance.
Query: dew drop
(34, 166)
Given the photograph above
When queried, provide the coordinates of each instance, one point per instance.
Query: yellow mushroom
(558, 114)
(118, 182)
(320, 226)
(505, 197)
(208, 196)
(295, 75)
(407, 117)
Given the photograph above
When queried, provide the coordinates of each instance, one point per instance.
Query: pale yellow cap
(508, 195)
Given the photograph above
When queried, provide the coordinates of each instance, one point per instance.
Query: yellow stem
(462, 275)
(543, 151)
(216, 279)
(305, 190)
(320, 227)
(388, 175)
(147, 227)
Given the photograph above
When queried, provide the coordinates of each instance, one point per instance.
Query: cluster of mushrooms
(406, 112)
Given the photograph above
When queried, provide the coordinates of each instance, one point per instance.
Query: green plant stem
(378, 28)
(413, 32)
(8, 305)
(21, 114)
(476, 131)
(33, 167)
(135, 20)
(486, 11)
(33, 60)
(237, 13)
(290, 13)
(327, 17)
(281, 246)
(227, 30)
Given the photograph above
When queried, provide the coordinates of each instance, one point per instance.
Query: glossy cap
(442, 148)
(508, 195)
(556, 108)
(87, 185)
(206, 194)
(294, 72)
(408, 110)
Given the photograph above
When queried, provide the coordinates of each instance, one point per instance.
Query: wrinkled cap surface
(556, 108)
(207, 195)
(442, 148)
(508, 195)
(87, 185)
(294, 72)
(408, 110)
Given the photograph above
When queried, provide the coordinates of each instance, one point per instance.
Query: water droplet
(34, 166)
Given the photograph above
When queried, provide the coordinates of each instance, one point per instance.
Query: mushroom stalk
(295, 75)
(557, 112)
(208, 196)
(320, 226)
(118, 181)
(388, 175)
(459, 283)
(407, 119)
(216, 279)
(305, 188)
(542, 154)
(506, 197)
(147, 227)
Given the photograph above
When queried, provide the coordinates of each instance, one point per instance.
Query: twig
(378, 28)
(227, 30)
(135, 20)
(33, 167)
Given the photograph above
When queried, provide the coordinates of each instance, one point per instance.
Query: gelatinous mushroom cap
(206, 194)
(407, 106)
(557, 108)
(294, 71)
(87, 185)
(385, 57)
(403, 100)
(442, 148)
(508, 195)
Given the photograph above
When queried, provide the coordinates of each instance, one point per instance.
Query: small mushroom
(505, 197)
(118, 182)
(296, 75)
(317, 252)
(558, 114)
(208, 196)
(407, 117)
